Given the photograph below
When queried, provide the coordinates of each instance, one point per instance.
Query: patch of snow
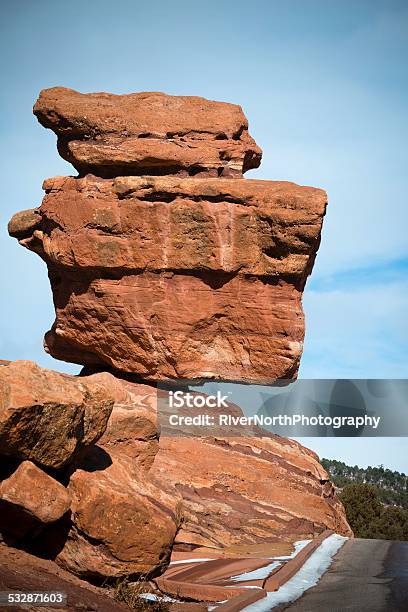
(153, 597)
(243, 586)
(298, 547)
(259, 574)
(307, 577)
(190, 561)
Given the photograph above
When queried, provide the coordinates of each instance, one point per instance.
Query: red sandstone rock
(244, 491)
(165, 278)
(268, 487)
(49, 417)
(177, 278)
(29, 493)
(240, 493)
(125, 509)
(134, 498)
(165, 326)
(123, 524)
(258, 228)
(132, 426)
(148, 133)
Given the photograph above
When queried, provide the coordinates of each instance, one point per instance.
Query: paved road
(366, 575)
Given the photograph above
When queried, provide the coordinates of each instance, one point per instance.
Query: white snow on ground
(241, 586)
(259, 574)
(263, 572)
(298, 547)
(190, 561)
(307, 577)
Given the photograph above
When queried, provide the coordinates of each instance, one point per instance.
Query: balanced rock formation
(168, 277)
(165, 265)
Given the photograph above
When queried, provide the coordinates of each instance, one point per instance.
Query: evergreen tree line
(392, 486)
(375, 499)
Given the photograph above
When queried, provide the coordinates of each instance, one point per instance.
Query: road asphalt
(365, 575)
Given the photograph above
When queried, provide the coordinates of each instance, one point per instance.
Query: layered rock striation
(170, 277)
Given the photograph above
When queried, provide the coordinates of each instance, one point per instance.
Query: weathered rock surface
(245, 227)
(169, 327)
(132, 429)
(135, 497)
(48, 417)
(240, 490)
(243, 491)
(134, 502)
(247, 491)
(159, 275)
(148, 133)
(123, 524)
(31, 493)
(170, 277)
(120, 521)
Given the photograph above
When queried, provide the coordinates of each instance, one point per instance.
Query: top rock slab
(148, 133)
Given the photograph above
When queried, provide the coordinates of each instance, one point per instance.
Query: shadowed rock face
(97, 510)
(30, 498)
(148, 133)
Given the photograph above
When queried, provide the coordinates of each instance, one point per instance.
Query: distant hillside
(392, 486)
(375, 499)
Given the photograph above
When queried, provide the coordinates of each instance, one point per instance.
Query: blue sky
(324, 85)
